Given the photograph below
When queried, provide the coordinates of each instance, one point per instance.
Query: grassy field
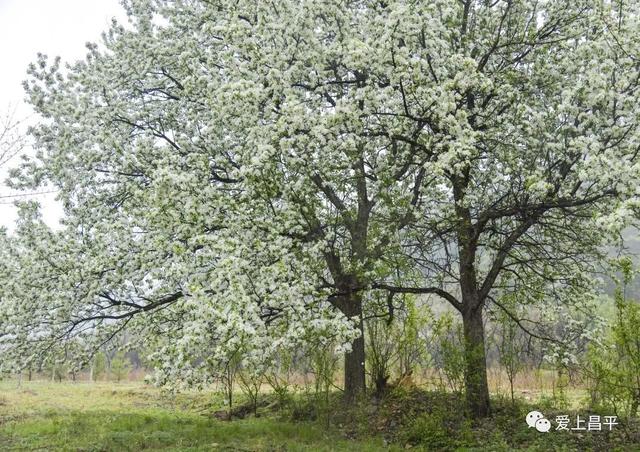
(82, 416)
(132, 416)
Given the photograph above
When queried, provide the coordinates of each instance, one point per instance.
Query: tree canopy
(249, 175)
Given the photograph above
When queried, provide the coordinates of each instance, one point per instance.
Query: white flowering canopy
(228, 168)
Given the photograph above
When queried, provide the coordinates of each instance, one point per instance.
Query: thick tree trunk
(354, 371)
(354, 375)
(476, 385)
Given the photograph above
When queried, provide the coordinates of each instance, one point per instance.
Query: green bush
(613, 366)
(438, 430)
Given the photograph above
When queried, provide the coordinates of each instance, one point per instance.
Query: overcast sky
(53, 27)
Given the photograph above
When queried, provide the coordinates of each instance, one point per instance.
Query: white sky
(53, 27)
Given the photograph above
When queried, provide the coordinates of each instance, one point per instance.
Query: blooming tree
(220, 139)
(239, 172)
(537, 161)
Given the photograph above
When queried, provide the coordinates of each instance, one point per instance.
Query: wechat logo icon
(537, 420)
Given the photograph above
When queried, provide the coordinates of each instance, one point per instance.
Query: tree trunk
(354, 373)
(513, 397)
(476, 385)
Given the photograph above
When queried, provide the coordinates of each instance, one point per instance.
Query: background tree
(120, 366)
(98, 366)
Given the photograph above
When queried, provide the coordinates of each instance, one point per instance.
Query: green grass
(121, 417)
(132, 416)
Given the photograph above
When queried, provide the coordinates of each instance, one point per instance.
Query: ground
(132, 416)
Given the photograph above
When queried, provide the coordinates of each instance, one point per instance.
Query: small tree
(451, 358)
(411, 344)
(58, 369)
(98, 366)
(250, 381)
(614, 365)
(511, 349)
(227, 371)
(120, 366)
(381, 352)
(325, 366)
(279, 375)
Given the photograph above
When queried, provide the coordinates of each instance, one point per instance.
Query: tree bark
(475, 376)
(476, 385)
(354, 370)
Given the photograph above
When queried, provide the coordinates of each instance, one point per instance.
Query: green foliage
(613, 364)
(382, 352)
(98, 366)
(120, 367)
(510, 352)
(397, 345)
(241, 170)
(279, 377)
(452, 355)
(561, 388)
(411, 345)
(324, 364)
(438, 430)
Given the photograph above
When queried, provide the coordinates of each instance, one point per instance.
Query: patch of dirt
(241, 411)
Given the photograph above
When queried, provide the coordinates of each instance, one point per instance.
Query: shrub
(613, 367)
